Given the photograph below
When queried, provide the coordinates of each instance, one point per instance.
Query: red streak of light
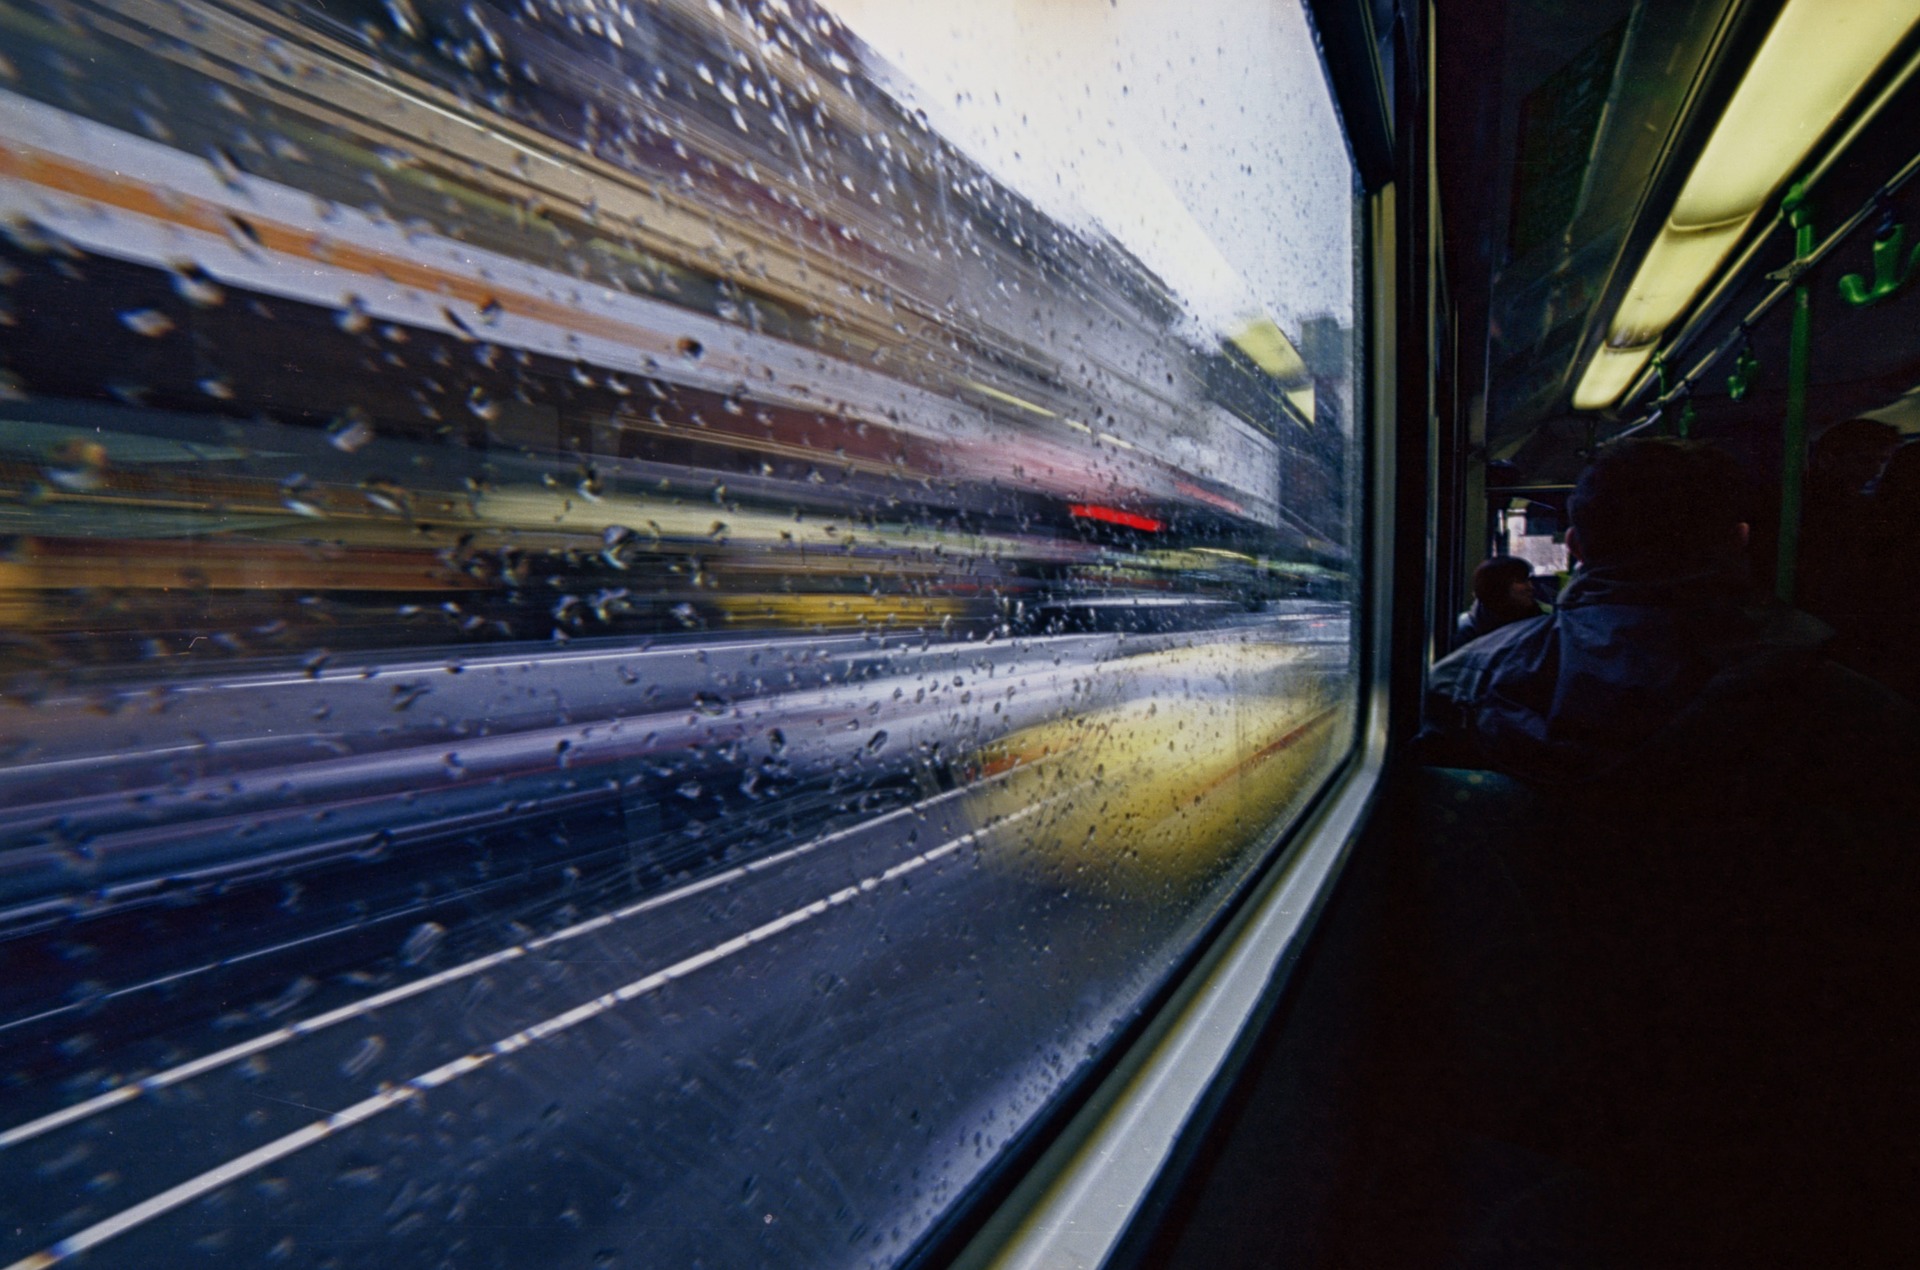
(1114, 516)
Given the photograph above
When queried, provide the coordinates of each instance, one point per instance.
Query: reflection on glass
(632, 632)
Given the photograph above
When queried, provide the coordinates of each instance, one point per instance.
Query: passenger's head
(1849, 456)
(1504, 583)
(1649, 504)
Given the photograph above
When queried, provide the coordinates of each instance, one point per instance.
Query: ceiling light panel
(1816, 56)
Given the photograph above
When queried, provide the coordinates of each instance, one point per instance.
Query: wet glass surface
(632, 632)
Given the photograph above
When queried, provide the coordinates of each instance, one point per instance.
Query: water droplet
(151, 323)
(386, 495)
(358, 1171)
(296, 992)
(194, 285)
(405, 18)
(293, 496)
(349, 432)
(223, 97)
(424, 938)
(225, 167)
(78, 466)
(365, 1055)
(242, 234)
(377, 846)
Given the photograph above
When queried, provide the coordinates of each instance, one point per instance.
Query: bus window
(636, 633)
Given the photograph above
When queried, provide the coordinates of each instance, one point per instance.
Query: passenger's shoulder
(1786, 732)
(1463, 670)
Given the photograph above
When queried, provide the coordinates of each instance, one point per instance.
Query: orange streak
(54, 173)
(1265, 752)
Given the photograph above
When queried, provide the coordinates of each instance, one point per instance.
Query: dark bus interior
(804, 633)
(1418, 1128)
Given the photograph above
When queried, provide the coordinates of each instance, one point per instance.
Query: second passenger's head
(1650, 506)
(1503, 586)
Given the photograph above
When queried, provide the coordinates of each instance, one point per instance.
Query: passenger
(1835, 569)
(1888, 589)
(1660, 601)
(1729, 884)
(1502, 595)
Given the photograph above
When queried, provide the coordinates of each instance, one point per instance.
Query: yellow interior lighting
(1608, 375)
(1814, 59)
(1676, 267)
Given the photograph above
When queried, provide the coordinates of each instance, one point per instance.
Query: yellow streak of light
(1178, 781)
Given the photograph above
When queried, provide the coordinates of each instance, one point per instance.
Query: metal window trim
(1350, 46)
(1076, 1206)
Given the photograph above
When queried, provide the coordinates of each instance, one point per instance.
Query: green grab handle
(1745, 367)
(1892, 268)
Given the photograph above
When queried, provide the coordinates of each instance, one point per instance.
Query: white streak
(360, 1009)
(215, 1178)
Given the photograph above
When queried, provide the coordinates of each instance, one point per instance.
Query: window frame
(1096, 1180)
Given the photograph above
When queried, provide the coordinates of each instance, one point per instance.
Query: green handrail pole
(1793, 437)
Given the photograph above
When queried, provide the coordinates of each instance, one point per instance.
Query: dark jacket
(1728, 826)
(1570, 696)
(1479, 620)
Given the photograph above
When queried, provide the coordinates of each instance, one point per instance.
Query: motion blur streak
(503, 508)
(368, 1005)
(1114, 516)
(212, 1180)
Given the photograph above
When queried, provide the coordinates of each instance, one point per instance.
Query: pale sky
(1199, 133)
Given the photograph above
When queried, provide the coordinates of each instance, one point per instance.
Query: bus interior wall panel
(1413, 403)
